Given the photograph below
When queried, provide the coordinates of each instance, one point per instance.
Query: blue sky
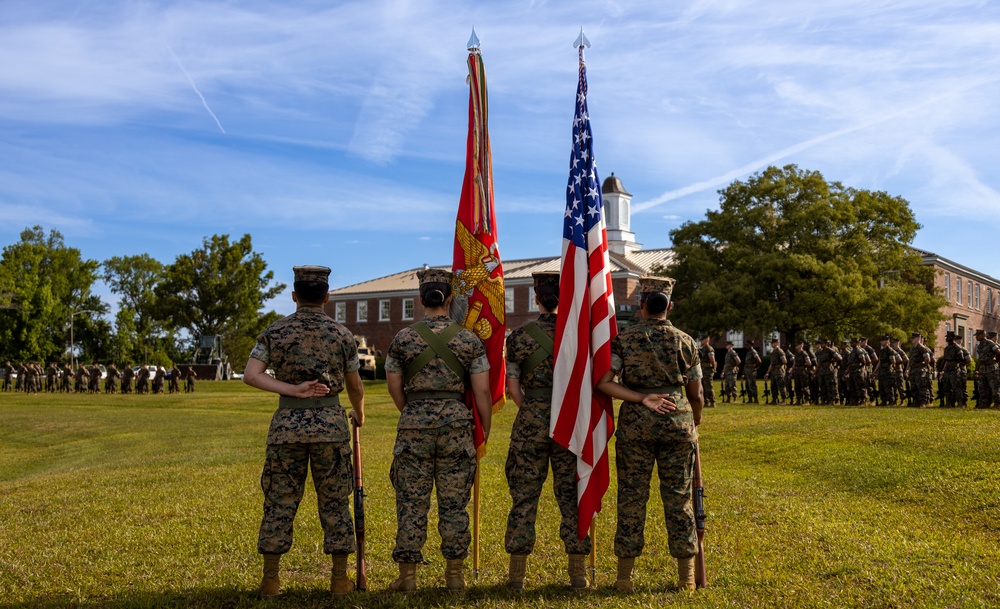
(334, 133)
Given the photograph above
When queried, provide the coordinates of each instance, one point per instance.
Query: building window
(969, 302)
(977, 296)
(340, 312)
(509, 294)
(383, 310)
(362, 310)
(989, 301)
(407, 308)
(532, 306)
(736, 338)
(947, 287)
(947, 326)
(958, 290)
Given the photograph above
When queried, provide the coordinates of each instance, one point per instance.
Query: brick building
(379, 308)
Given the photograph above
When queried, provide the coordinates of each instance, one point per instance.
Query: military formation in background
(859, 374)
(32, 378)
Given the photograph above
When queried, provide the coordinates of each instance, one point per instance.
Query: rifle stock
(359, 511)
(698, 493)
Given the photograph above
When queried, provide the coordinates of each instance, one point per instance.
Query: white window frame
(532, 305)
(408, 302)
(361, 312)
(978, 289)
(947, 286)
(509, 298)
(736, 337)
(989, 300)
(340, 312)
(947, 326)
(384, 310)
(958, 290)
(969, 304)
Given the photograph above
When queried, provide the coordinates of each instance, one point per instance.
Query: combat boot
(340, 584)
(454, 575)
(270, 585)
(407, 580)
(577, 570)
(624, 581)
(517, 571)
(685, 573)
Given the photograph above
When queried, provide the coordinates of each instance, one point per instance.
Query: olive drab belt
(538, 392)
(326, 401)
(413, 396)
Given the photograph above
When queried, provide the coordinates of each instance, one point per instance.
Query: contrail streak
(195, 88)
(729, 176)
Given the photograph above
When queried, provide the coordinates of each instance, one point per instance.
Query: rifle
(767, 392)
(909, 394)
(743, 390)
(940, 395)
(359, 511)
(698, 493)
(975, 392)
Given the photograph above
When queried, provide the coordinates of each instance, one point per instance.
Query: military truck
(366, 356)
(210, 363)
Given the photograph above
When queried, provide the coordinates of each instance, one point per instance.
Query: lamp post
(72, 354)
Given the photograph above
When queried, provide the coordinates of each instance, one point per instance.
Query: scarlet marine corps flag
(476, 262)
(582, 418)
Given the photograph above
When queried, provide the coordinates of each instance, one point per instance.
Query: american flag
(582, 418)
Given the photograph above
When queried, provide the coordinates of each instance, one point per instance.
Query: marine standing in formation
(888, 362)
(987, 375)
(952, 383)
(706, 357)
(425, 367)
(314, 358)
(827, 360)
(661, 392)
(529, 385)
(750, 372)
(776, 372)
(919, 372)
(730, 369)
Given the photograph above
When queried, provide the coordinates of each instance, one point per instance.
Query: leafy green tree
(789, 251)
(219, 288)
(42, 283)
(134, 280)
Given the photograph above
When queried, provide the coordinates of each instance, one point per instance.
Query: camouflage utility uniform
(857, 379)
(750, 373)
(899, 370)
(308, 434)
(730, 369)
(952, 384)
(706, 357)
(920, 375)
(888, 361)
(532, 450)
(434, 444)
(988, 372)
(655, 357)
(826, 375)
(776, 374)
(802, 366)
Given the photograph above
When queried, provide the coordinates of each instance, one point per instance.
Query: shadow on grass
(236, 598)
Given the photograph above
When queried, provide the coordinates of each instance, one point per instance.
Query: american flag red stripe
(583, 418)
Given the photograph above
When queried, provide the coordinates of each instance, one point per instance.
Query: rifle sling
(546, 347)
(437, 346)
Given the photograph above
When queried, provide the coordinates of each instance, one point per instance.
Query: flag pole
(593, 551)
(473, 47)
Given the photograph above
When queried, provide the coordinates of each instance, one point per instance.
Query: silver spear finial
(581, 40)
(473, 41)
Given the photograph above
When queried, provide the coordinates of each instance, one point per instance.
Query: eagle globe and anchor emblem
(480, 263)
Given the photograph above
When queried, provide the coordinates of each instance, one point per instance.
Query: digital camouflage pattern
(706, 357)
(899, 370)
(920, 375)
(826, 374)
(434, 445)
(954, 374)
(436, 375)
(655, 354)
(802, 363)
(776, 374)
(888, 362)
(532, 451)
(988, 373)
(283, 482)
(308, 345)
(753, 361)
(730, 369)
(857, 380)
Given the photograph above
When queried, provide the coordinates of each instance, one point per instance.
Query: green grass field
(154, 501)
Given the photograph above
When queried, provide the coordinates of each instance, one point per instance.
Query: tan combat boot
(577, 570)
(518, 570)
(340, 584)
(270, 586)
(454, 576)
(624, 580)
(685, 573)
(407, 580)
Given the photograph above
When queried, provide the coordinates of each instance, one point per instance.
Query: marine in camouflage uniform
(434, 438)
(987, 373)
(127, 375)
(919, 372)
(654, 360)
(776, 373)
(898, 369)
(8, 372)
(529, 383)
(888, 360)
(706, 356)
(870, 367)
(730, 369)
(66, 381)
(857, 379)
(827, 359)
(314, 358)
(753, 361)
(801, 373)
(842, 372)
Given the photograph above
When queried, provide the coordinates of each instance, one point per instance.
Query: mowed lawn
(154, 501)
